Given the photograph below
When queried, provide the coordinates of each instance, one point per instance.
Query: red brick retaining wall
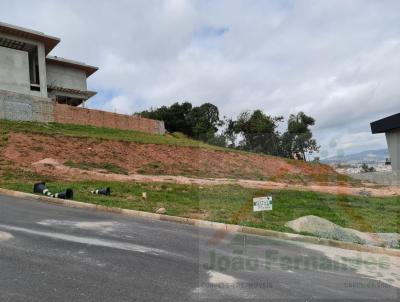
(81, 116)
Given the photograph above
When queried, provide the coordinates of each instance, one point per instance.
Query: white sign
(262, 204)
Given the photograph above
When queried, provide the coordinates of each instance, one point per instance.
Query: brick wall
(23, 107)
(81, 116)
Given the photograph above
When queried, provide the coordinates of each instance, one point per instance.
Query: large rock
(325, 229)
(161, 211)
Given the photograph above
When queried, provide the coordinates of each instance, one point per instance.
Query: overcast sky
(337, 60)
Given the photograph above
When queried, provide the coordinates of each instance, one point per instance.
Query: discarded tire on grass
(104, 191)
(41, 188)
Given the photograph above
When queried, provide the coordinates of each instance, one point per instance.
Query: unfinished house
(27, 68)
(35, 86)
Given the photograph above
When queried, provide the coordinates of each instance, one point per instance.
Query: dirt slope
(23, 149)
(49, 166)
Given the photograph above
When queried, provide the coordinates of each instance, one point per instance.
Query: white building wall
(393, 140)
(14, 70)
(66, 77)
(42, 64)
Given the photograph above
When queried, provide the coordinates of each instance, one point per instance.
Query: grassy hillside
(129, 152)
(103, 133)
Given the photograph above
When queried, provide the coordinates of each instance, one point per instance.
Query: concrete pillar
(393, 141)
(42, 70)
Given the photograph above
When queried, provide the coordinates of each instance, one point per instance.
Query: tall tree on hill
(204, 121)
(259, 132)
(197, 122)
(229, 133)
(175, 117)
(298, 140)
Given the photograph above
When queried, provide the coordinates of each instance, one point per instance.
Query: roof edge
(88, 69)
(49, 41)
(386, 124)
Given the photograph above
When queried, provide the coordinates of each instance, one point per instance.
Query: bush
(365, 168)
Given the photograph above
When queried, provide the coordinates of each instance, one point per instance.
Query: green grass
(55, 129)
(233, 204)
(92, 166)
(3, 137)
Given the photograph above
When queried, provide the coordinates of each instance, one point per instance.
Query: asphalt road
(53, 253)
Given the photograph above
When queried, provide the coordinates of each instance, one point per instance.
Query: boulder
(161, 211)
(323, 228)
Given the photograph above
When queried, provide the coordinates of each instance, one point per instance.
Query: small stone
(364, 192)
(161, 211)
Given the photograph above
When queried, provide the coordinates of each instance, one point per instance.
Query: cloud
(337, 60)
(351, 142)
(210, 31)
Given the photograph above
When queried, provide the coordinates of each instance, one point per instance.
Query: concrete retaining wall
(383, 178)
(23, 107)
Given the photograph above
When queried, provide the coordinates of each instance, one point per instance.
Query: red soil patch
(24, 149)
(50, 166)
(47, 155)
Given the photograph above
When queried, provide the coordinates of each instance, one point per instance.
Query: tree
(259, 132)
(229, 133)
(175, 117)
(197, 122)
(365, 168)
(252, 131)
(298, 140)
(204, 121)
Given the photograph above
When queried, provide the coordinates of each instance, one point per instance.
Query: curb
(231, 228)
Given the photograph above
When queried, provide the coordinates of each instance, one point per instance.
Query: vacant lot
(123, 153)
(129, 152)
(233, 204)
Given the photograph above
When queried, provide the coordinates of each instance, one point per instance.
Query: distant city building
(27, 68)
(391, 127)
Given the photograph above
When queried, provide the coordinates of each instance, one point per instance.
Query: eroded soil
(50, 155)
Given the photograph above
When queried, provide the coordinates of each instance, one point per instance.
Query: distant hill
(369, 156)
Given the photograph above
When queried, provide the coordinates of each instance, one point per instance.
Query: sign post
(262, 204)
